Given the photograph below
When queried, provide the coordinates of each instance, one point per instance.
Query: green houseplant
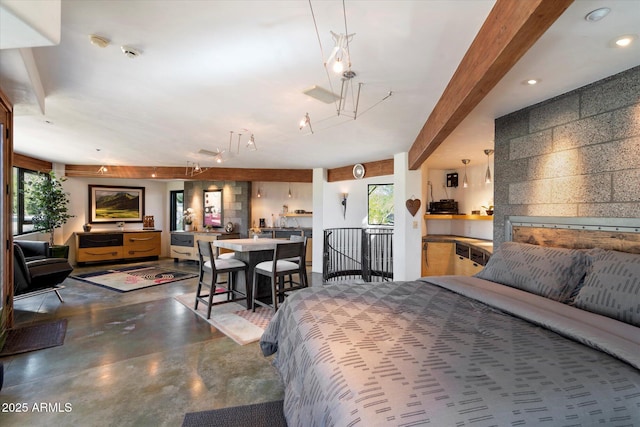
(48, 203)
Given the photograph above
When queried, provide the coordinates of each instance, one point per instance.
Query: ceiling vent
(322, 94)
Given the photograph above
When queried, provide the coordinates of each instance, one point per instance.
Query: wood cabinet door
(437, 258)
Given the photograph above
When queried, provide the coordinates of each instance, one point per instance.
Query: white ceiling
(210, 67)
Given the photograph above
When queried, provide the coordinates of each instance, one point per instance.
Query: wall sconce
(465, 182)
(343, 202)
(487, 175)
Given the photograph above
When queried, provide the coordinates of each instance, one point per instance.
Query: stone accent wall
(236, 202)
(576, 155)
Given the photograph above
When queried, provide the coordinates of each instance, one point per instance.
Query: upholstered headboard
(620, 234)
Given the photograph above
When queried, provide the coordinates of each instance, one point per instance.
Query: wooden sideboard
(184, 243)
(103, 246)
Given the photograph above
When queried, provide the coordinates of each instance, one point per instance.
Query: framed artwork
(115, 204)
(212, 208)
(380, 204)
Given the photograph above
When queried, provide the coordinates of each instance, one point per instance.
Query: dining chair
(216, 266)
(302, 260)
(277, 270)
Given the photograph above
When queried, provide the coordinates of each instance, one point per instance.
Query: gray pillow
(549, 272)
(612, 286)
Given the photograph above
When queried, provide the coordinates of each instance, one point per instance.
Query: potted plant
(187, 219)
(48, 203)
(489, 209)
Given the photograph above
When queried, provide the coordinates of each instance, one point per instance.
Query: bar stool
(278, 269)
(216, 267)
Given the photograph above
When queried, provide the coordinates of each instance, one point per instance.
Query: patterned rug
(232, 319)
(128, 279)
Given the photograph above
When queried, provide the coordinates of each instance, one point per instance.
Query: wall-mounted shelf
(464, 217)
(290, 215)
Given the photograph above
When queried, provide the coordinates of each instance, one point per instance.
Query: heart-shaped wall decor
(413, 205)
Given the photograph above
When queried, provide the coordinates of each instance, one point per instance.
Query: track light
(306, 121)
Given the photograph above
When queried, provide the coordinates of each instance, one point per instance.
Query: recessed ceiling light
(531, 82)
(598, 14)
(98, 40)
(624, 41)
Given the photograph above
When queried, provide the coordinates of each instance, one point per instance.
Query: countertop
(481, 244)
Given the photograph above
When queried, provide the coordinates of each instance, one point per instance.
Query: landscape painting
(116, 204)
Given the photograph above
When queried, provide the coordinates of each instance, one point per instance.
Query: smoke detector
(130, 52)
(98, 40)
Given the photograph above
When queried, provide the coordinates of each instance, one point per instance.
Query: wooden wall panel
(577, 238)
(371, 169)
(6, 233)
(26, 162)
(169, 172)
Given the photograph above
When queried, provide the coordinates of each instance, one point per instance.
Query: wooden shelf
(290, 215)
(463, 217)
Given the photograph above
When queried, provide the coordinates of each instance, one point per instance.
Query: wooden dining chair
(278, 270)
(300, 259)
(216, 266)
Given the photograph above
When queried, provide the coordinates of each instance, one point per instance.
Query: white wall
(156, 204)
(476, 195)
(276, 194)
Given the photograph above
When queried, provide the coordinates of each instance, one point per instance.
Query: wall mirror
(212, 208)
(380, 204)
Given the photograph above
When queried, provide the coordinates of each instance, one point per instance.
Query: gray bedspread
(413, 353)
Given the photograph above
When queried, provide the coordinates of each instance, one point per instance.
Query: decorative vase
(187, 227)
(86, 227)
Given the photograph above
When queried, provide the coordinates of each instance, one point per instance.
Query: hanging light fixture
(487, 175)
(251, 145)
(289, 190)
(102, 170)
(306, 121)
(465, 182)
(259, 194)
(153, 174)
(339, 59)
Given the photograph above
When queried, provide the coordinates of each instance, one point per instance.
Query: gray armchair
(35, 271)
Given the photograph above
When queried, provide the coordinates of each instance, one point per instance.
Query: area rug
(34, 337)
(268, 414)
(128, 279)
(232, 319)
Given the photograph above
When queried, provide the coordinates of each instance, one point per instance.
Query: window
(176, 202)
(380, 204)
(21, 221)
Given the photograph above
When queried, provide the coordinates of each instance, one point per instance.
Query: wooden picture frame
(213, 210)
(115, 204)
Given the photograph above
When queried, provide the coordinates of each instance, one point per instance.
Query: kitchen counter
(480, 244)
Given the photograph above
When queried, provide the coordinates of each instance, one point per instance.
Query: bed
(542, 336)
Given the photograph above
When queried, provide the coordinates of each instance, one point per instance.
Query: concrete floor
(130, 359)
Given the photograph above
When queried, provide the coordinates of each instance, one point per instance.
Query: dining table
(252, 252)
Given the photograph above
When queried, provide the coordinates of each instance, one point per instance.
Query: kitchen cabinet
(448, 254)
(184, 244)
(437, 258)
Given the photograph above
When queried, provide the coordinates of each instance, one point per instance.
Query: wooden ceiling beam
(377, 168)
(511, 28)
(170, 172)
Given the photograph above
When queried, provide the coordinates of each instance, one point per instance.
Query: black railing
(358, 253)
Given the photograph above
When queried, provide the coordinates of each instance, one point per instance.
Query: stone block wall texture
(575, 155)
(236, 202)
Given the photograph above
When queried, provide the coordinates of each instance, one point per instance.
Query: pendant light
(465, 182)
(289, 190)
(487, 175)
